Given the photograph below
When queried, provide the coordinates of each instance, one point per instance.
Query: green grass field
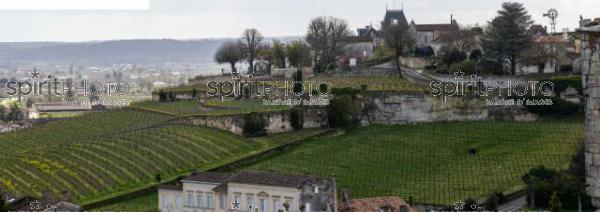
(430, 162)
(103, 154)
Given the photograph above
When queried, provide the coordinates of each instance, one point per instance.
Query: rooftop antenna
(402, 5)
(552, 14)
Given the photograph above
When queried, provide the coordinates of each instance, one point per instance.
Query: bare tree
(251, 45)
(399, 38)
(267, 53)
(535, 55)
(229, 52)
(325, 36)
(465, 40)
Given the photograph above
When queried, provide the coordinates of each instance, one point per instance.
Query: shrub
(554, 187)
(468, 67)
(454, 56)
(172, 97)
(492, 201)
(554, 203)
(559, 108)
(162, 96)
(342, 112)
(254, 125)
(194, 92)
(158, 178)
(296, 119)
(562, 83)
(345, 91)
(476, 54)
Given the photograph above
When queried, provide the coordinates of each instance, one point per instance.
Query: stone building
(248, 191)
(425, 34)
(591, 84)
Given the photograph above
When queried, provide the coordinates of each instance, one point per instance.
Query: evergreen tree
(506, 35)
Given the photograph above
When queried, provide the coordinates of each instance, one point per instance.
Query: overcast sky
(189, 19)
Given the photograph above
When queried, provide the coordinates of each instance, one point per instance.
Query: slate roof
(435, 27)
(250, 177)
(593, 29)
(357, 39)
(537, 29)
(177, 187)
(271, 178)
(390, 15)
(211, 177)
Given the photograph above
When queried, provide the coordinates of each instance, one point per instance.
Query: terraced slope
(103, 153)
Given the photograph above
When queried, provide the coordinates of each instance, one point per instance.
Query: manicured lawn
(431, 162)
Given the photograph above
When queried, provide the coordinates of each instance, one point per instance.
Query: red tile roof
(374, 204)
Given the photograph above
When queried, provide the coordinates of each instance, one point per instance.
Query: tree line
(320, 48)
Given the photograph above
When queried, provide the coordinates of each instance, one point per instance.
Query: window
(165, 201)
(276, 205)
(177, 201)
(263, 205)
(290, 204)
(238, 199)
(250, 202)
(307, 207)
(222, 201)
(190, 199)
(210, 201)
(200, 202)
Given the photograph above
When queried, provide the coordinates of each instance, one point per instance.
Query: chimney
(451, 18)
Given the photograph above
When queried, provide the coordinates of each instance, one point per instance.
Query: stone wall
(591, 84)
(399, 108)
(381, 107)
(415, 62)
(276, 122)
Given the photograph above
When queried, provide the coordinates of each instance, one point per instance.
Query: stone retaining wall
(399, 108)
(276, 122)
